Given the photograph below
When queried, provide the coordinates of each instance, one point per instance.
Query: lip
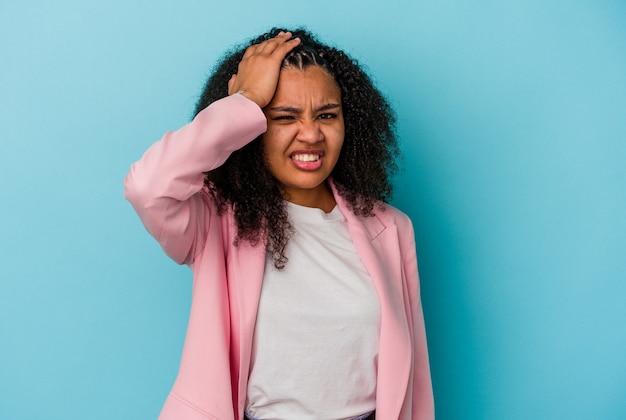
(307, 165)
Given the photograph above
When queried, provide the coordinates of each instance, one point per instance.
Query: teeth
(306, 157)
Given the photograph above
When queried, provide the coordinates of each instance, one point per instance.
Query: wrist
(251, 97)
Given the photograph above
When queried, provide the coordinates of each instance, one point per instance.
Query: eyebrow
(296, 110)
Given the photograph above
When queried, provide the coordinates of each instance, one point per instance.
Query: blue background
(513, 123)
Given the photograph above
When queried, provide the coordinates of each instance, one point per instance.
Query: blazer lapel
(247, 267)
(378, 247)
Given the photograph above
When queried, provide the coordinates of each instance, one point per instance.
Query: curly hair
(362, 175)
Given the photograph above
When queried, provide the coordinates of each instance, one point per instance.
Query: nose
(309, 132)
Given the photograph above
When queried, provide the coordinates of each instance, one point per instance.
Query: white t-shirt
(316, 338)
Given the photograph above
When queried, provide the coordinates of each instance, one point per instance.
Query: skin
(305, 119)
(305, 133)
(259, 69)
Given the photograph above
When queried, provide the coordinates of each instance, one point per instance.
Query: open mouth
(306, 157)
(310, 161)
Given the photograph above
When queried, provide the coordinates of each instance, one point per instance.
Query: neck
(321, 198)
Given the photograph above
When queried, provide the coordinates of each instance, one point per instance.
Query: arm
(165, 185)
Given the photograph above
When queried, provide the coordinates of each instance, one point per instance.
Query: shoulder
(390, 215)
(385, 218)
(382, 212)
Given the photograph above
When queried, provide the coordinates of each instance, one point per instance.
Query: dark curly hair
(362, 173)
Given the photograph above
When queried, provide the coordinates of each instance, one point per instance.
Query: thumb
(231, 84)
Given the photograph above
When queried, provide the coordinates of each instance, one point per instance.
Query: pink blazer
(166, 188)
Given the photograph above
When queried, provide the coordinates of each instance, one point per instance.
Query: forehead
(312, 83)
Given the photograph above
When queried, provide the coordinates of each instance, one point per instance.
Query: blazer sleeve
(166, 186)
(423, 405)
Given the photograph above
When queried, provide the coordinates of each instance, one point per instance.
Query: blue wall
(513, 120)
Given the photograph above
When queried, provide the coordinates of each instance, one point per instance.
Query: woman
(306, 297)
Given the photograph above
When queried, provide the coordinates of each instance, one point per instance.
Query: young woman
(306, 299)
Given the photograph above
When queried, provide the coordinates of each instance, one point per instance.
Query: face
(305, 132)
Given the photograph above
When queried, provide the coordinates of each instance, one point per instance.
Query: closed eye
(282, 117)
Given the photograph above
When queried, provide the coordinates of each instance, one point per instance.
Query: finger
(255, 48)
(250, 51)
(278, 50)
(231, 84)
(289, 45)
(271, 44)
